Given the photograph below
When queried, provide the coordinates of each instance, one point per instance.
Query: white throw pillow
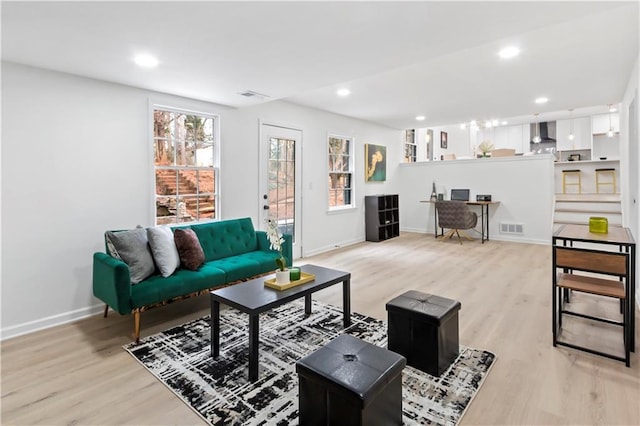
(164, 249)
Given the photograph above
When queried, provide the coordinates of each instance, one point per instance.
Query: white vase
(282, 277)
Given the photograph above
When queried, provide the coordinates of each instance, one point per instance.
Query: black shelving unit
(381, 217)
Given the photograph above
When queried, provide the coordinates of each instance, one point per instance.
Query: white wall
(457, 141)
(77, 161)
(630, 163)
(523, 185)
(321, 230)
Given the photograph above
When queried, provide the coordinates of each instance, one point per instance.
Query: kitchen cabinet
(600, 123)
(581, 133)
(514, 137)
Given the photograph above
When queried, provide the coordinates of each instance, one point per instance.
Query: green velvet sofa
(234, 251)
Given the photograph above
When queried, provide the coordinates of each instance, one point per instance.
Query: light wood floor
(79, 374)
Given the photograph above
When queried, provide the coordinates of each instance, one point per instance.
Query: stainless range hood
(546, 130)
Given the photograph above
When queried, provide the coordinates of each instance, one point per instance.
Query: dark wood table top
(254, 297)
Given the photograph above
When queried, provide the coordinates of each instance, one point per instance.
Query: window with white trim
(185, 166)
(340, 172)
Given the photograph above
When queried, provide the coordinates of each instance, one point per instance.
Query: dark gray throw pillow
(133, 248)
(189, 248)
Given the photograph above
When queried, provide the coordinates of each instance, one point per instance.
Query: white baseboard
(496, 237)
(48, 322)
(332, 247)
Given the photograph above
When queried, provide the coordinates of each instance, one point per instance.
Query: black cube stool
(350, 382)
(424, 329)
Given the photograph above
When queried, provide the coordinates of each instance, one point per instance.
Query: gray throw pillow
(164, 250)
(132, 247)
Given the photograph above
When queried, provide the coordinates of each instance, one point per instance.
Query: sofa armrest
(287, 246)
(112, 282)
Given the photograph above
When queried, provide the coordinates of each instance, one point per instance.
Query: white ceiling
(400, 59)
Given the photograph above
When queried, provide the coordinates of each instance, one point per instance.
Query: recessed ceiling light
(509, 52)
(420, 117)
(146, 61)
(343, 92)
(542, 100)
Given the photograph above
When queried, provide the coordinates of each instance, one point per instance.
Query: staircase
(197, 206)
(578, 208)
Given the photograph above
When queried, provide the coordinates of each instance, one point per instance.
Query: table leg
(482, 219)
(307, 305)
(487, 218)
(435, 223)
(346, 302)
(215, 328)
(632, 302)
(254, 325)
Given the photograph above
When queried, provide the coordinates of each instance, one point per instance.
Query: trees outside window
(340, 172)
(185, 166)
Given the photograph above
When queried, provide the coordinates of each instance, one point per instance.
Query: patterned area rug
(219, 391)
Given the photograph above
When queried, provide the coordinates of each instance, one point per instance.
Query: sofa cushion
(163, 248)
(157, 289)
(238, 267)
(265, 259)
(189, 249)
(226, 238)
(133, 248)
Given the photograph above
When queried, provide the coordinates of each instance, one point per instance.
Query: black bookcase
(381, 217)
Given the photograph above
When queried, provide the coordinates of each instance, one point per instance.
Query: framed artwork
(375, 157)
(443, 140)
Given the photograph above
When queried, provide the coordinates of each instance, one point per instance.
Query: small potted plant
(276, 240)
(485, 147)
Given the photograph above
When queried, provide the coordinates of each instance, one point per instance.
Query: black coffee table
(253, 298)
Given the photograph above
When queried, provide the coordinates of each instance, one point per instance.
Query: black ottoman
(350, 382)
(424, 329)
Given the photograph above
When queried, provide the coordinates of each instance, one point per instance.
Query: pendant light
(536, 138)
(610, 132)
(571, 125)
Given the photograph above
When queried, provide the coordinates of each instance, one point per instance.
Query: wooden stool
(565, 183)
(612, 182)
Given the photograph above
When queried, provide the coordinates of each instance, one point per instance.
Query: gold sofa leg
(136, 325)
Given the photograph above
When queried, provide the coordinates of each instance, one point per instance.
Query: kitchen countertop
(587, 161)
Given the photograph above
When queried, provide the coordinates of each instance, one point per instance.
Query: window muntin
(340, 172)
(184, 166)
(282, 184)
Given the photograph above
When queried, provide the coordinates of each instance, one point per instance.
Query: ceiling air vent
(252, 94)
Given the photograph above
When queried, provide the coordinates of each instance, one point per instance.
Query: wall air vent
(252, 94)
(511, 228)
